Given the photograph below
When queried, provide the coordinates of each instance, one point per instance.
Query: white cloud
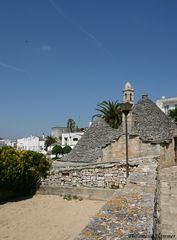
(57, 8)
(2, 64)
(46, 48)
(81, 28)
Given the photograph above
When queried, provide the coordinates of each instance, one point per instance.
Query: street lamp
(126, 107)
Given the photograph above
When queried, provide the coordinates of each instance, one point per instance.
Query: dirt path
(45, 217)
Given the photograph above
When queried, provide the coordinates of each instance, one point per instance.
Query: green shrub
(67, 197)
(21, 171)
(57, 149)
(80, 198)
(67, 149)
(75, 197)
(70, 197)
(114, 186)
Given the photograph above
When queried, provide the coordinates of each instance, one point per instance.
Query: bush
(57, 149)
(114, 186)
(67, 149)
(21, 171)
(69, 197)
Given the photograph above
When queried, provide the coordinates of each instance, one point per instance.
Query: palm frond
(111, 112)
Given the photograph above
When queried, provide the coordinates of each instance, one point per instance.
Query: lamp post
(126, 107)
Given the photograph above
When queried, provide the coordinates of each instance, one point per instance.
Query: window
(66, 139)
(166, 108)
(130, 97)
(65, 174)
(75, 139)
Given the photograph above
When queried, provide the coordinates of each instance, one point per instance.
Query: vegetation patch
(114, 186)
(70, 197)
(21, 171)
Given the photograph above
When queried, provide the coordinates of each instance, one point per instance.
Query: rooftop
(148, 122)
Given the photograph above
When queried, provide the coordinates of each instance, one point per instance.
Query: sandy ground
(45, 217)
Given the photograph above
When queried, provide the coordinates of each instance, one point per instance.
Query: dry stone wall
(167, 154)
(136, 148)
(103, 175)
(131, 212)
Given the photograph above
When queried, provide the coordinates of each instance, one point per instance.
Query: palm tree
(71, 124)
(49, 141)
(111, 112)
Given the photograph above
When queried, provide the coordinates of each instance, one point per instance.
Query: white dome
(128, 85)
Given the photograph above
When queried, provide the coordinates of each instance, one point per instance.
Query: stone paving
(168, 203)
(129, 214)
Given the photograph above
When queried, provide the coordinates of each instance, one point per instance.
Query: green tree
(21, 171)
(173, 114)
(57, 149)
(49, 141)
(67, 149)
(111, 112)
(71, 125)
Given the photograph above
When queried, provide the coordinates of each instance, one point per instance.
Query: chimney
(144, 96)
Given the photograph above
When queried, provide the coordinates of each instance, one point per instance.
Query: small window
(65, 174)
(166, 108)
(75, 139)
(130, 97)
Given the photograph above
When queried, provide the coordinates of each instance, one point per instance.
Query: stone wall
(102, 175)
(131, 212)
(136, 148)
(167, 154)
(167, 222)
(101, 194)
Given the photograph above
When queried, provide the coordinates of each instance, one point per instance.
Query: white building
(57, 132)
(166, 103)
(32, 143)
(2, 142)
(8, 142)
(11, 142)
(71, 139)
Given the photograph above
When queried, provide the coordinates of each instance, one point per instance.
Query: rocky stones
(102, 175)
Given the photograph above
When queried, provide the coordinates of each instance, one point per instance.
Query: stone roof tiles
(150, 123)
(88, 148)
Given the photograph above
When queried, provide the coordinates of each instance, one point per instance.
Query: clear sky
(59, 58)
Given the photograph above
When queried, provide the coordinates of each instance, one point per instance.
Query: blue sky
(59, 58)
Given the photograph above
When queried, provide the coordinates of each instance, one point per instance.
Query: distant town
(70, 135)
(62, 136)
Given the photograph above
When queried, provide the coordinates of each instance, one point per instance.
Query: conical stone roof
(97, 136)
(150, 123)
